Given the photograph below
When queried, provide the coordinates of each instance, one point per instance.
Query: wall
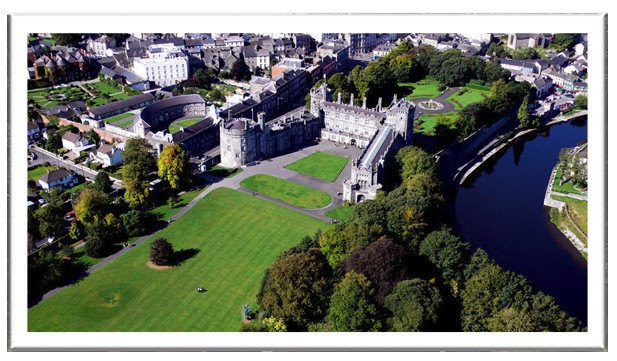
(104, 134)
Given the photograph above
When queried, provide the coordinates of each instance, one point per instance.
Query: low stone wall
(105, 135)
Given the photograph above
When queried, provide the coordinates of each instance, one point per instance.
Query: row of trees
(396, 266)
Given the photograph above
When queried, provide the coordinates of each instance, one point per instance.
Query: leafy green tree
(93, 137)
(447, 252)
(98, 242)
(51, 220)
(383, 262)
(512, 320)
(493, 72)
(563, 41)
(45, 272)
(134, 222)
(296, 289)
(161, 252)
(54, 142)
(341, 240)
(414, 305)
(174, 166)
(370, 212)
(550, 317)
(472, 117)
(240, 71)
(580, 102)
(33, 225)
(77, 231)
(352, 307)
(138, 163)
(527, 119)
(137, 192)
(103, 183)
(413, 160)
(71, 39)
(91, 205)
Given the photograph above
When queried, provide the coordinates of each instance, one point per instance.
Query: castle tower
(318, 96)
(238, 142)
(400, 116)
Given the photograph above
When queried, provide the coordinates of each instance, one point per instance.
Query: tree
(161, 252)
(383, 262)
(472, 117)
(138, 163)
(341, 240)
(93, 137)
(240, 71)
(512, 320)
(45, 272)
(370, 212)
(580, 102)
(526, 119)
(33, 225)
(51, 220)
(77, 231)
(563, 41)
(70, 39)
(447, 252)
(174, 166)
(103, 183)
(297, 289)
(352, 307)
(98, 243)
(54, 142)
(91, 205)
(414, 305)
(134, 222)
(413, 160)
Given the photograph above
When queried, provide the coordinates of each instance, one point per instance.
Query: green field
(289, 192)
(236, 237)
(427, 122)
(45, 99)
(125, 123)
(341, 213)
(38, 172)
(320, 165)
(425, 88)
(567, 187)
(165, 212)
(578, 213)
(466, 96)
(118, 117)
(175, 127)
(104, 88)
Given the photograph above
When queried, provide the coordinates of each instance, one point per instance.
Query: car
(70, 216)
(41, 201)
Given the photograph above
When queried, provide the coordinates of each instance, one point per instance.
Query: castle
(379, 132)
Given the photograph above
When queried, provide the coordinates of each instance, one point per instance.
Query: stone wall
(105, 135)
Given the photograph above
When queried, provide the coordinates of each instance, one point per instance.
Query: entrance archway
(353, 141)
(360, 198)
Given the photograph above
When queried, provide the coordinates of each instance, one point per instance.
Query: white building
(100, 45)
(164, 64)
(58, 178)
(107, 155)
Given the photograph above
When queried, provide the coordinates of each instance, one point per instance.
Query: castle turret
(261, 119)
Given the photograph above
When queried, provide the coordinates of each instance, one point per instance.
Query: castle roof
(350, 108)
(377, 148)
(125, 103)
(193, 129)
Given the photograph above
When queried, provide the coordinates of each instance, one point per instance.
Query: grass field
(427, 122)
(578, 213)
(341, 213)
(223, 172)
(104, 88)
(165, 212)
(125, 123)
(38, 172)
(44, 98)
(235, 237)
(425, 88)
(175, 127)
(320, 165)
(289, 192)
(468, 96)
(118, 117)
(567, 187)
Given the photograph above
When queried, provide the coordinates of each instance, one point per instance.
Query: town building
(121, 106)
(61, 178)
(107, 155)
(74, 142)
(525, 40)
(100, 45)
(164, 64)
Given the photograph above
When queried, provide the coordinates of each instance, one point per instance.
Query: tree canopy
(103, 183)
(352, 307)
(447, 252)
(91, 205)
(161, 252)
(174, 166)
(414, 305)
(138, 163)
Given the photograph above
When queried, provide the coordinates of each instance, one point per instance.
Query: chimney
(351, 100)
(339, 98)
(364, 103)
(379, 104)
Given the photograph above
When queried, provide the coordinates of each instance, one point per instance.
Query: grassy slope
(425, 88)
(165, 212)
(237, 236)
(320, 165)
(578, 212)
(340, 213)
(289, 192)
(468, 97)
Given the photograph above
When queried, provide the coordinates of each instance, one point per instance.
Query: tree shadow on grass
(183, 255)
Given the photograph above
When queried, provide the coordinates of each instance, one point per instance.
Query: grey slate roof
(71, 137)
(55, 175)
(126, 103)
(354, 109)
(193, 129)
(377, 148)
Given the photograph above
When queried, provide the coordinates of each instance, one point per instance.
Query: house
(520, 41)
(34, 130)
(100, 45)
(106, 155)
(74, 142)
(543, 86)
(58, 178)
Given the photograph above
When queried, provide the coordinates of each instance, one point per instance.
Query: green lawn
(466, 96)
(38, 172)
(320, 165)
(118, 117)
(223, 172)
(120, 96)
(425, 88)
(567, 187)
(236, 237)
(341, 213)
(104, 88)
(578, 212)
(175, 127)
(427, 122)
(289, 192)
(165, 212)
(125, 123)
(41, 97)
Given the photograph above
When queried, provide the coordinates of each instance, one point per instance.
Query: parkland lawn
(567, 187)
(425, 88)
(341, 213)
(466, 95)
(38, 172)
(289, 192)
(174, 128)
(119, 117)
(320, 165)
(426, 123)
(235, 236)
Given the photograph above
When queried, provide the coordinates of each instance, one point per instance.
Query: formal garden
(320, 165)
(225, 255)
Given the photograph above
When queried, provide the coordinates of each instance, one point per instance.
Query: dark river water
(501, 211)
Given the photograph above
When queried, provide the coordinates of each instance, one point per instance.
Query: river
(500, 209)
